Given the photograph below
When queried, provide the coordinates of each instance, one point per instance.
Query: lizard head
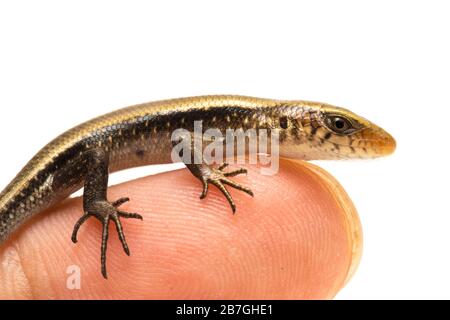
(322, 131)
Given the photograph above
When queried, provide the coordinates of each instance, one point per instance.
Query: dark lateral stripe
(313, 130)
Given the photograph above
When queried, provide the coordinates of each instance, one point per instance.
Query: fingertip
(298, 238)
(349, 214)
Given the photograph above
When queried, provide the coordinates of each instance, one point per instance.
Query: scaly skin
(141, 135)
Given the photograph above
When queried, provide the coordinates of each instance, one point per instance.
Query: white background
(61, 64)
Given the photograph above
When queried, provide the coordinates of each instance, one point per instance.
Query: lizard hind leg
(95, 203)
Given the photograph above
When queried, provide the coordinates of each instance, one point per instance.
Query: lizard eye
(339, 124)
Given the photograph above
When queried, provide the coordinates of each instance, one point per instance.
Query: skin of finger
(298, 238)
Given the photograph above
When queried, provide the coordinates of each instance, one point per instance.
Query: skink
(142, 135)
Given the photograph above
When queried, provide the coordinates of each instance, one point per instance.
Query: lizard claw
(219, 178)
(105, 212)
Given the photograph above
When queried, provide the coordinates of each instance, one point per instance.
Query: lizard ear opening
(284, 122)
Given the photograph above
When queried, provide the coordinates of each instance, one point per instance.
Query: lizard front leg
(206, 173)
(219, 178)
(95, 203)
